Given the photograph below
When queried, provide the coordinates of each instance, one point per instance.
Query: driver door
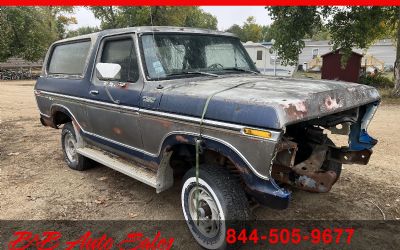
(114, 117)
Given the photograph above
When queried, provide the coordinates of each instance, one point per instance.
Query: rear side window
(123, 53)
(69, 59)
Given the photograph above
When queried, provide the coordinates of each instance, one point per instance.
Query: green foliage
(235, 29)
(27, 32)
(266, 33)
(121, 17)
(291, 25)
(319, 33)
(82, 31)
(376, 80)
(347, 27)
(251, 31)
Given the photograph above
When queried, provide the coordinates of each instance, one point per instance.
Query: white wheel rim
(70, 147)
(208, 214)
(220, 218)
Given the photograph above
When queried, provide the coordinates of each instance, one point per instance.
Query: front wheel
(220, 204)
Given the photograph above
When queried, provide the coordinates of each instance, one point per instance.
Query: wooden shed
(332, 69)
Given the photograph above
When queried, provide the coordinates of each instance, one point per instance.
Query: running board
(160, 180)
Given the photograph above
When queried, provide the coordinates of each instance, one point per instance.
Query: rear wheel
(221, 204)
(69, 146)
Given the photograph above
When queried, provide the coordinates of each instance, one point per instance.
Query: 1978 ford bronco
(151, 102)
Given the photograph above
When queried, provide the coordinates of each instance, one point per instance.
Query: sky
(226, 15)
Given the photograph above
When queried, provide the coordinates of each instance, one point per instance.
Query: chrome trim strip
(166, 136)
(91, 101)
(43, 114)
(206, 122)
(121, 144)
(226, 144)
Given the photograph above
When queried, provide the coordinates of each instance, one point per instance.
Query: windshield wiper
(241, 69)
(192, 73)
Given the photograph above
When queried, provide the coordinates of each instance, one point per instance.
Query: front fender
(267, 192)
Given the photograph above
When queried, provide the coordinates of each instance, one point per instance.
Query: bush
(377, 80)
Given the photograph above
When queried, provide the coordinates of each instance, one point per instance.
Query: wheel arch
(60, 115)
(266, 191)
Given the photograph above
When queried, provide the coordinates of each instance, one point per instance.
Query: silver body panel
(155, 127)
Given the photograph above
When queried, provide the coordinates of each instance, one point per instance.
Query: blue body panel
(221, 110)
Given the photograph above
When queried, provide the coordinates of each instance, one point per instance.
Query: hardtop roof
(147, 29)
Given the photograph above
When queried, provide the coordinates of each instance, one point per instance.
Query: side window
(123, 53)
(259, 55)
(69, 59)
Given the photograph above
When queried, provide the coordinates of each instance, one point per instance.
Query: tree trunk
(396, 91)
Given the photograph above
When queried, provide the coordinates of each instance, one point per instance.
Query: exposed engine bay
(306, 158)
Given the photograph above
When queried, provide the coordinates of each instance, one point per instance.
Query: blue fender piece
(359, 139)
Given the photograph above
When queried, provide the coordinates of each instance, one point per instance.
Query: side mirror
(108, 71)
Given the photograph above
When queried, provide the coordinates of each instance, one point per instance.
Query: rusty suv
(168, 104)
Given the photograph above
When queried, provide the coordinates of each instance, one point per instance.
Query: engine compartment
(306, 158)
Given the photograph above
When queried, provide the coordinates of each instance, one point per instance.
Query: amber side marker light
(257, 132)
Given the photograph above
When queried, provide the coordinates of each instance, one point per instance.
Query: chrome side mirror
(108, 71)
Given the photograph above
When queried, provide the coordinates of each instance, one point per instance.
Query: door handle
(94, 92)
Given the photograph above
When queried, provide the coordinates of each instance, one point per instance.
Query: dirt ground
(35, 182)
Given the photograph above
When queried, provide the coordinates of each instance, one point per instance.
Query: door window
(123, 53)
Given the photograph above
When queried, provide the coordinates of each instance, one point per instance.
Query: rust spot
(117, 131)
(296, 110)
(180, 138)
(165, 124)
(76, 125)
(332, 103)
(306, 175)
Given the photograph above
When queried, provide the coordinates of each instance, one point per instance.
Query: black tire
(78, 162)
(332, 165)
(229, 197)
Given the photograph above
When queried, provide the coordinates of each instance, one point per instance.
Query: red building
(332, 68)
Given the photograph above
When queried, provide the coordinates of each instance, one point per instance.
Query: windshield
(182, 55)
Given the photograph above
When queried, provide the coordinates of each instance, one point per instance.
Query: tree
(27, 32)
(121, 17)
(24, 33)
(56, 19)
(319, 33)
(249, 31)
(266, 33)
(349, 27)
(82, 31)
(237, 30)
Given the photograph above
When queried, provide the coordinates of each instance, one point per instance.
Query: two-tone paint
(152, 116)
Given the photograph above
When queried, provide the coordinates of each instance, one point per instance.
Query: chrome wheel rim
(208, 215)
(70, 147)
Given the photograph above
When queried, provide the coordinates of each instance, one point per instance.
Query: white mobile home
(382, 51)
(265, 60)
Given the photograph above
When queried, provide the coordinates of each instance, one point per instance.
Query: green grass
(307, 75)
